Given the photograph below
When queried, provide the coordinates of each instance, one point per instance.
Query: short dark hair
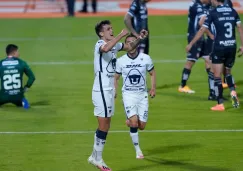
(11, 48)
(222, 1)
(99, 26)
(130, 35)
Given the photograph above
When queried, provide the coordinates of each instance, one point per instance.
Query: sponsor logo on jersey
(5, 63)
(225, 9)
(228, 42)
(134, 66)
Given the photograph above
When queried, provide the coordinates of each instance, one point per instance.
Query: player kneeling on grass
(12, 70)
(133, 67)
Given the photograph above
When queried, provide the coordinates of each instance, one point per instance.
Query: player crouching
(12, 70)
(133, 67)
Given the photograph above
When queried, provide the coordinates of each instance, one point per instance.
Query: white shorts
(103, 103)
(136, 104)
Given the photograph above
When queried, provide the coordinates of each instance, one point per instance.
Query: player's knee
(227, 71)
(142, 126)
(104, 124)
(133, 123)
(189, 64)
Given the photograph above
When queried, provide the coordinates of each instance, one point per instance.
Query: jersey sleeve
(149, 65)
(133, 8)
(98, 45)
(118, 66)
(30, 75)
(237, 18)
(208, 20)
(119, 46)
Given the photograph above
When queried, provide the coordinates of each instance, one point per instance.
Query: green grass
(61, 101)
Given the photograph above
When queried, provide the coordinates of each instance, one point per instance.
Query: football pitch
(56, 134)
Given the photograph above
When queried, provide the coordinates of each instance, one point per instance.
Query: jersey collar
(133, 57)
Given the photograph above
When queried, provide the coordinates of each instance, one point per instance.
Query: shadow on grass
(40, 103)
(180, 164)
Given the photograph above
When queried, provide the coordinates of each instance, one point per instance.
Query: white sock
(135, 141)
(98, 148)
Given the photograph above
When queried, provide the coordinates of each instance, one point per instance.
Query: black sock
(133, 129)
(218, 89)
(211, 83)
(230, 82)
(101, 134)
(185, 75)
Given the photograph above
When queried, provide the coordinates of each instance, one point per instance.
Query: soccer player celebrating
(105, 53)
(225, 19)
(133, 67)
(12, 69)
(136, 20)
(196, 17)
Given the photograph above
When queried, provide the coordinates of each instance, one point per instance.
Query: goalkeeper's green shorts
(15, 99)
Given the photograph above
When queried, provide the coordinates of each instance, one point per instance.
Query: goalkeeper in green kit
(12, 69)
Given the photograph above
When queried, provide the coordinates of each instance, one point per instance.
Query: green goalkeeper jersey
(11, 73)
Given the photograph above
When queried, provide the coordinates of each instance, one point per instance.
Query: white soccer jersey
(134, 71)
(104, 66)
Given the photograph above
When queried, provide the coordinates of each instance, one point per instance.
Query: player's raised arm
(109, 45)
(133, 10)
(128, 23)
(30, 75)
(132, 45)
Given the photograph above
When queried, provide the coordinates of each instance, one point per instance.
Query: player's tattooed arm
(196, 38)
(240, 29)
(109, 45)
(152, 92)
(116, 77)
(130, 46)
(128, 23)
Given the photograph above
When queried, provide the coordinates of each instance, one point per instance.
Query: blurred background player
(206, 52)
(85, 6)
(105, 53)
(196, 17)
(224, 48)
(12, 70)
(224, 83)
(136, 20)
(133, 67)
(70, 8)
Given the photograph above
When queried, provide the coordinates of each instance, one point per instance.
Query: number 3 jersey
(134, 71)
(224, 19)
(11, 73)
(104, 66)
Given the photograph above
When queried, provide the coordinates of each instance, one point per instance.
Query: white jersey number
(11, 81)
(229, 30)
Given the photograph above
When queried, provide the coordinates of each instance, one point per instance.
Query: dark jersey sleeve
(134, 7)
(237, 17)
(30, 75)
(209, 20)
